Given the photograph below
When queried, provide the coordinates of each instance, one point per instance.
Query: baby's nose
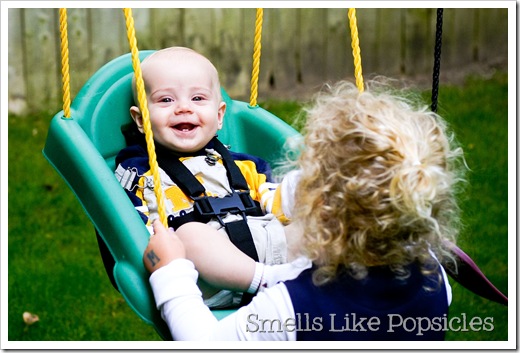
(183, 106)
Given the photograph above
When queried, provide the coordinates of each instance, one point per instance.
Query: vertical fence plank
(109, 38)
(283, 56)
(40, 59)
(166, 28)
(240, 87)
(80, 46)
(463, 37)
(418, 43)
(142, 20)
(367, 33)
(450, 38)
(268, 68)
(17, 80)
(199, 29)
(231, 48)
(339, 61)
(492, 38)
(387, 44)
(314, 31)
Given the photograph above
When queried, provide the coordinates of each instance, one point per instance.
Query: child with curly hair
(375, 203)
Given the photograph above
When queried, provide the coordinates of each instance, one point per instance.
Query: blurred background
(54, 267)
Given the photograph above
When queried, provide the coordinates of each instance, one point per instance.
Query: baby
(198, 173)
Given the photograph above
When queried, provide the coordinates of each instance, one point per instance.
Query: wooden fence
(302, 48)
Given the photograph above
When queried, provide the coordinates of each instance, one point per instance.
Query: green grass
(55, 271)
(479, 116)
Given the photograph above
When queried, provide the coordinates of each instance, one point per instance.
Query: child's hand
(164, 247)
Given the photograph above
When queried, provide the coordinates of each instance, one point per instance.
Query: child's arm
(229, 267)
(220, 263)
(217, 260)
(181, 305)
(282, 203)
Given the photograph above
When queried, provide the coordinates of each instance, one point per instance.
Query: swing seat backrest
(83, 149)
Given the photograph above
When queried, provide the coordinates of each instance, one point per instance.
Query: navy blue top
(378, 307)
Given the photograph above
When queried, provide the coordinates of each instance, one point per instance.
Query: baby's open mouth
(185, 127)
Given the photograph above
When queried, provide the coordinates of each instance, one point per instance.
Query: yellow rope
(256, 57)
(143, 105)
(65, 77)
(356, 51)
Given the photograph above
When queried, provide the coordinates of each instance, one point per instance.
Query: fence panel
(301, 48)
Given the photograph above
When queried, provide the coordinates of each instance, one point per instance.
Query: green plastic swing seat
(83, 149)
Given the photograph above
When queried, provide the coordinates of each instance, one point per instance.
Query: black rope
(437, 61)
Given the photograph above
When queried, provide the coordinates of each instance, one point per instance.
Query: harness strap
(237, 234)
(208, 207)
(176, 222)
(180, 174)
(235, 176)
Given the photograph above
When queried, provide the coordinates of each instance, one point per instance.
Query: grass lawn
(55, 271)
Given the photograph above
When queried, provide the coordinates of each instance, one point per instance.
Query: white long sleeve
(267, 317)
(288, 189)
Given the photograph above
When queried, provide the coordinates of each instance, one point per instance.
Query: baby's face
(184, 100)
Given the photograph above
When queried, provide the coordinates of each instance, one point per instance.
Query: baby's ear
(221, 113)
(138, 118)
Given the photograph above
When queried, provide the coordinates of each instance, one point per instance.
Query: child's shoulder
(133, 156)
(261, 165)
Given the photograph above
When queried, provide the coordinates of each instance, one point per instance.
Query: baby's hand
(164, 247)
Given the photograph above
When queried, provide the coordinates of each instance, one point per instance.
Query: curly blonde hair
(378, 182)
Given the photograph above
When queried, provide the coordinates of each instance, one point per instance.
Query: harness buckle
(238, 202)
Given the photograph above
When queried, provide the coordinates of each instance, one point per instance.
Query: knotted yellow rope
(356, 51)
(65, 76)
(143, 105)
(256, 57)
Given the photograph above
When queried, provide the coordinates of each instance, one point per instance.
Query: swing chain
(437, 61)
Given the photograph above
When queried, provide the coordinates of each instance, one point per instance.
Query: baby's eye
(198, 98)
(166, 100)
